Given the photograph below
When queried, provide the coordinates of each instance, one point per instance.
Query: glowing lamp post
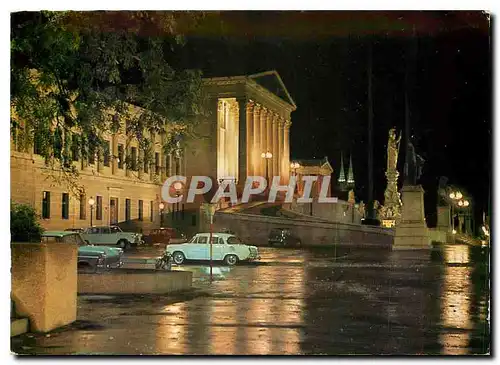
(268, 156)
(91, 203)
(162, 207)
(455, 196)
(294, 166)
(178, 188)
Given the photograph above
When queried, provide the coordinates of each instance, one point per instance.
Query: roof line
(275, 73)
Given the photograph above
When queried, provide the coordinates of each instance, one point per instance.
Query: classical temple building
(247, 116)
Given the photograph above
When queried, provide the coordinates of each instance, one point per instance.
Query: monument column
(280, 149)
(286, 152)
(257, 140)
(250, 139)
(242, 142)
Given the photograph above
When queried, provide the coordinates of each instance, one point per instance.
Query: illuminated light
(91, 202)
(161, 206)
(452, 195)
(458, 195)
(454, 231)
(178, 185)
(466, 203)
(460, 203)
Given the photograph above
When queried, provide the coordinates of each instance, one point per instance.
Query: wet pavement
(295, 301)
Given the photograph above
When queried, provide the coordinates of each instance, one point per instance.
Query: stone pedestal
(44, 283)
(443, 218)
(412, 233)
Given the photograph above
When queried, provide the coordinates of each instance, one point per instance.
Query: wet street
(308, 301)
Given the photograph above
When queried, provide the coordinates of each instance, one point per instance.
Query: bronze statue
(393, 150)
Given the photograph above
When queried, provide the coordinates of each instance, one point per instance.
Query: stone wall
(44, 284)
(254, 229)
(341, 211)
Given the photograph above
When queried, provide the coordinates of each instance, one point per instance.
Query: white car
(111, 236)
(225, 247)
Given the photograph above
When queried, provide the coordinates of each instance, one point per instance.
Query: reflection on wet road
(320, 301)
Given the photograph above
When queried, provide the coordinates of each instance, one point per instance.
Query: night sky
(322, 58)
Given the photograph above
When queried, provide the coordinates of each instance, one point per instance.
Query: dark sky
(322, 59)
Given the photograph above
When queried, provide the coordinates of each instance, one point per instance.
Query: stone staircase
(18, 325)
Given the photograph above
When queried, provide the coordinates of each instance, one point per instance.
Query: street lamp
(91, 203)
(162, 207)
(267, 155)
(177, 187)
(454, 196)
(294, 166)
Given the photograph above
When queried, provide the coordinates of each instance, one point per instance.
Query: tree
(79, 73)
(24, 225)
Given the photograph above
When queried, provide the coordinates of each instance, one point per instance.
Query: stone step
(18, 326)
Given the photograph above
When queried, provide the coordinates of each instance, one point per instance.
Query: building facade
(246, 115)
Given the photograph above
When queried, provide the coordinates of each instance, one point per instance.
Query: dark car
(159, 236)
(283, 237)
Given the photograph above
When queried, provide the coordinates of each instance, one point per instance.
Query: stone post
(274, 144)
(269, 141)
(280, 149)
(251, 163)
(286, 152)
(263, 138)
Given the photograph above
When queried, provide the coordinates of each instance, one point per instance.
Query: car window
(202, 239)
(221, 241)
(115, 229)
(105, 230)
(79, 240)
(70, 238)
(233, 240)
(93, 230)
(51, 239)
(193, 240)
(215, 240)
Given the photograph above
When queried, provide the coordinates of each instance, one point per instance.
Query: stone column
(274, 144)
(251, 163)
(242, 142)
(257, 140)
(280, 149)
(232, 135)
(286, 151)
(269, 140)
(263, 138)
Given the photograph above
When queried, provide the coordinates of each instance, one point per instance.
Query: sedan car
(89, 256)
(283, 237)
(225, 247)
(158, 236)
(111, 236)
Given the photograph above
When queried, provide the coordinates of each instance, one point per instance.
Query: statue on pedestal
(413, 166)
(392, 199)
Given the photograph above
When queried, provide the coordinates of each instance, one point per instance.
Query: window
(177, 166)
(120, 156)
(146, 165)
(37, 144)
(202, 239)
(115, 229)
(233, 240)
(167, 165)
(98, 208)
(157, 163)
(83, 206)
(127, 209)
(133, 158)
(46, 205)
(65, 206)
(141, 212)
(151, 211)
(75, 147)
(107, 149)
(105, 230)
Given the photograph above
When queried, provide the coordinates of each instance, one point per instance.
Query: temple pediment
(272, 81)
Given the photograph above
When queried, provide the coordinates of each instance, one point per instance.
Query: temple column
(286, 151)
(256, 139)
(263, 135)
(280, 149)
(233, 142)
(269, 140)
(250, 139)
(274, 144)
(242, 142)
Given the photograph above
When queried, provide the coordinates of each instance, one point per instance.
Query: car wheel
(123, 244)
(231, 260)
(178, 257)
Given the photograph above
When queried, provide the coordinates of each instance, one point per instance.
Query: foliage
(24, 225)
(80, 72)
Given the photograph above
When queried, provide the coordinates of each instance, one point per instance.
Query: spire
(341, 179)
(350, 174)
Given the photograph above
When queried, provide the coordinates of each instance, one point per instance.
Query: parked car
(111, 236)
(79, 230)
(89, 256)
(176, 236)
(283, 237)
(225, 247)
(158, 236)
